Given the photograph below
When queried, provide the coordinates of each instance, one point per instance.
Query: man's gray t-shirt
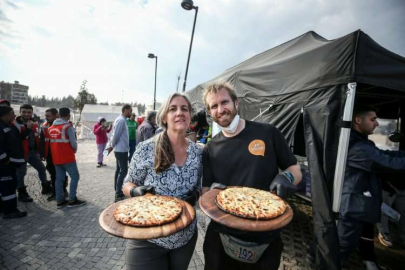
(119, 139)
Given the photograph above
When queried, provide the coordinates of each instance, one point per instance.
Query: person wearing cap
(100, 131)
(11, 156)
(5, 102)
(147, 129)
(30, 140)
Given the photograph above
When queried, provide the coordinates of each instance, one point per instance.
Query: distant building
(15, 92)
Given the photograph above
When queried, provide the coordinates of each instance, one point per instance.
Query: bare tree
(84, 97)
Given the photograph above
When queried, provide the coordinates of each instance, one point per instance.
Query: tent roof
(91, 112)
(310, 62)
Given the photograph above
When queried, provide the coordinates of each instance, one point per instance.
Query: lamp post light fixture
(189, 5)
(151, 55)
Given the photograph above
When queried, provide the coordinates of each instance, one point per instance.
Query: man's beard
(226, 122)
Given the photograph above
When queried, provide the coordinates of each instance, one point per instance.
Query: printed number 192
(245, 254)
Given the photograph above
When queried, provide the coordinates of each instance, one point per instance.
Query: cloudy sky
(53, 45)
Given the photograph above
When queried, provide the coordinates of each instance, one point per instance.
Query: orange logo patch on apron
(257, 148)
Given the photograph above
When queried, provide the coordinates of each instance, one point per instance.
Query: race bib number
(243, 251)
(245, 254)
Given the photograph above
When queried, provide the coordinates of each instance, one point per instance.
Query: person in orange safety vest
(63, 147)
(30, 142)
(45, 151)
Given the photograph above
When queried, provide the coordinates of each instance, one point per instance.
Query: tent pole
(343, 147)
(262, 112)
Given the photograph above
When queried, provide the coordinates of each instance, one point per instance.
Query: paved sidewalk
(70, 238)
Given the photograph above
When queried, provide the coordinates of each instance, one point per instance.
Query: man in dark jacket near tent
(361, 201)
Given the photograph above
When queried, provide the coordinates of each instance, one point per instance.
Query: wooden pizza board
(208, 206)
(110, 225)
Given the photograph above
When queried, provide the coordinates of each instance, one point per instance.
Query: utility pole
(178, 81)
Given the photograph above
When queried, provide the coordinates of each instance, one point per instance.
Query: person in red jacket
(30, 141)
(100, 130)
(64, 146)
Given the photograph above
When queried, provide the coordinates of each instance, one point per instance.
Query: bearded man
(247, 154)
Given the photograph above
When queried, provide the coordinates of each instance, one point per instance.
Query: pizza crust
(250, 203)
(145, 211)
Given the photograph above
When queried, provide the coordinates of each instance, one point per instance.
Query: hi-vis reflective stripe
(6, 178)
(60, 140)
(47, 139)
(3, 156)
(9, 197)
(19, 160)
(64, 128)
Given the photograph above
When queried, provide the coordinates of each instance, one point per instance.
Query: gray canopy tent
(307, 87)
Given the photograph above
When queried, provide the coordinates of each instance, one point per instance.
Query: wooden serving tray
(110, 225)
(209, 207)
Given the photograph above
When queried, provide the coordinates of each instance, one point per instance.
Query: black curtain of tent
(321, 110)
(322, 128)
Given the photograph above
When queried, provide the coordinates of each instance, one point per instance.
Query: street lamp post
(189, 5)
(151, 55)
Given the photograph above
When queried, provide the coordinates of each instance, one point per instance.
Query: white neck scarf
(233, 126)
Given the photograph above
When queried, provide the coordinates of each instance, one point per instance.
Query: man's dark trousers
(350, 231)
(50, 167)
(121, 171)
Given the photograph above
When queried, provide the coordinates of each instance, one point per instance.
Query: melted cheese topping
(251, 203)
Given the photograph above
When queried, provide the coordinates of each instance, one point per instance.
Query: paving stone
(51, 238)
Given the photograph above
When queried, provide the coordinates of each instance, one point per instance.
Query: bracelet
(289, 176)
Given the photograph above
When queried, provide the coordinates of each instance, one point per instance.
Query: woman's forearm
(126, 189)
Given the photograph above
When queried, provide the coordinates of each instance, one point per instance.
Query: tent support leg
(343, 147)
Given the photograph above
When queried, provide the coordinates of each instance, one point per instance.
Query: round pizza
(250, 203)
(144, 211)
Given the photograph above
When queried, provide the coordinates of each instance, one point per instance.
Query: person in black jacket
(11, 156)
(361, 200)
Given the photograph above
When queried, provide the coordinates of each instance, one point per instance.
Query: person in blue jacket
(361, 200)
